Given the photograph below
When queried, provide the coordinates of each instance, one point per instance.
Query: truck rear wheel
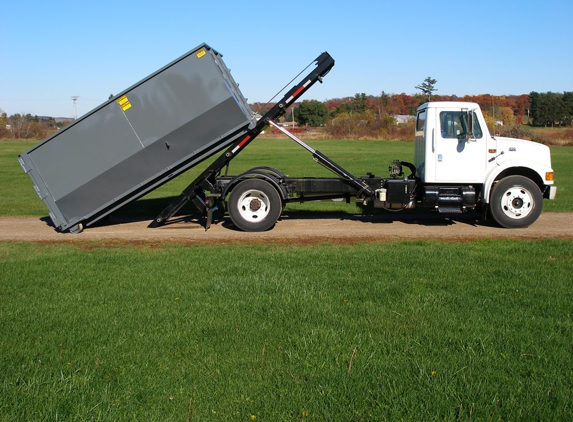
(254, 205)
(515, 202)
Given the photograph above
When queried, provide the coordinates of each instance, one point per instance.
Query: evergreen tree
(359, 103)
(427, 87)
(567, 108)
(311, 113)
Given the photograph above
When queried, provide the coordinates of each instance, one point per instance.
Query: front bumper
(550, 192)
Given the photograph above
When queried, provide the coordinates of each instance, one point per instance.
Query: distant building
(404, 118)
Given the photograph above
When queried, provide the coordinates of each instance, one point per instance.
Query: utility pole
(74, 98)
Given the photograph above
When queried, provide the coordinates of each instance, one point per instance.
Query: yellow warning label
(200, 53)
(124, 103)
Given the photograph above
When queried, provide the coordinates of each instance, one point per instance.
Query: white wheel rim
(517, 203)
(254, 205)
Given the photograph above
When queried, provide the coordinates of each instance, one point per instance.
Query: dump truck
(192, 109)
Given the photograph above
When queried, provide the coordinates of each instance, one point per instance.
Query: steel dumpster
(138, 140)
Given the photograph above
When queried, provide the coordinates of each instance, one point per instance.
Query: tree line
(376, 116)
(26, 126)
(367, 115)
(549, 106)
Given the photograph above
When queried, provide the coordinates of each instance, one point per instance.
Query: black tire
(254, 205)
(515, 202)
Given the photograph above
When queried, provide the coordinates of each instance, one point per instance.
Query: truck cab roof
(448, 104)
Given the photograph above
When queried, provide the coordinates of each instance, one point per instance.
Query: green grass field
(413, 330)
(423, 330)
(358, 157)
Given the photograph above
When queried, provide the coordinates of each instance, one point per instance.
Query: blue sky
(50, 51)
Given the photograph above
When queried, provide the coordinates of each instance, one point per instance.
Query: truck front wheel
(515, 202)
(254, 205)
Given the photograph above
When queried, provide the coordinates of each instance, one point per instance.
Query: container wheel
(254, 205)
(77, 229)
(516, 202)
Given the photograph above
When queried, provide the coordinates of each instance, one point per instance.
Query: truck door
(458, 159)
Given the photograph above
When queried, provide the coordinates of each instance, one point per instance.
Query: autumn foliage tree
(25, 126)
(368, 117)
(505, 115)
(3, 124)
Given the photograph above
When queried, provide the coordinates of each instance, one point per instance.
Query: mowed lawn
(416, 330)
(392, 331)
(358, 157)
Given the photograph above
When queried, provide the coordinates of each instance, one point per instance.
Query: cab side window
(454, 125)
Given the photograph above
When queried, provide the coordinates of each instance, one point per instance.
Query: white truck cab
(510, 176)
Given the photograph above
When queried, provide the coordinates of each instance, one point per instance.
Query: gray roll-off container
(158, 128)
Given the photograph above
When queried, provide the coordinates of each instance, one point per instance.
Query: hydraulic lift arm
(195, 192)
(322, 159)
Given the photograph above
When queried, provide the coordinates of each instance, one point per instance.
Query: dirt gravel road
(295, 229)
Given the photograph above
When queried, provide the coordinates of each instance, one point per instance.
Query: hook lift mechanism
(206, 181)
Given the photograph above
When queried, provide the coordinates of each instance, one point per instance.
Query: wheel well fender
(267, 174)
(510, 171)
